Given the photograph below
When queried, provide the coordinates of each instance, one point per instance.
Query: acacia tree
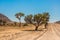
(45, 19)
(36, 20)
(15, 23)
(1, 22)
(18, 16)
(28, 18)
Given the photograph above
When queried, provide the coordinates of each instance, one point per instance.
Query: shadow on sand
(32, 30)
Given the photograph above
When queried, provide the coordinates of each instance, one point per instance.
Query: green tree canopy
(18, 16)
(37, 19)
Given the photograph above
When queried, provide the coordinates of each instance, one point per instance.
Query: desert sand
(52, 33)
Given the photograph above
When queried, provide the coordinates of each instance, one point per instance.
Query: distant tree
(15, 23)
(37, 19)
(28, 18)
(45, 19)
(18, 16)
(1, 22)
(4, 23)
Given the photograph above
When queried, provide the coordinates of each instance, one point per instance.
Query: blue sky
(11, 7)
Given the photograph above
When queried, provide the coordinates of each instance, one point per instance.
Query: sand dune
(52, 33)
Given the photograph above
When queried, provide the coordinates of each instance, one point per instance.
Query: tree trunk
(19, 23)
(46, 25)
(36, 28)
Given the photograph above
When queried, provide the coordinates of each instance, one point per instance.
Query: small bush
(25, 24)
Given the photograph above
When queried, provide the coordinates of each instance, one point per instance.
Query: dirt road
(53, 33)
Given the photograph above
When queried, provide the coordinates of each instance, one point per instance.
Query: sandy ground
(52, 33)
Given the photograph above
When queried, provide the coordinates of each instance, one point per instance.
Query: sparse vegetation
(45, 19)
(18, 16)
(25, 24)
(2, 22)
(37, 19)
(15, 23)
